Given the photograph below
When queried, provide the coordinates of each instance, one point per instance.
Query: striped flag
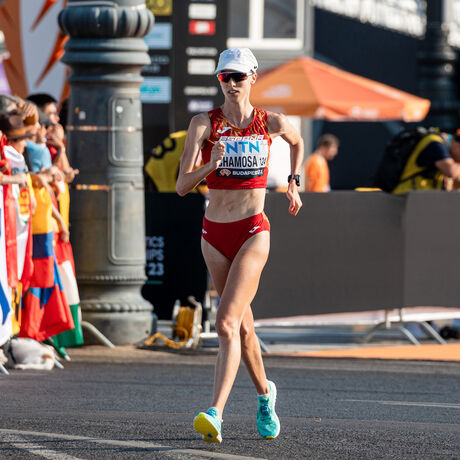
(66, 266)
(46, 311)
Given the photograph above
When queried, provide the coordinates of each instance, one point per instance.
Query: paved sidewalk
(300, 342)
(320, 336)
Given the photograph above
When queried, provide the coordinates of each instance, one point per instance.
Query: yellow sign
(160, 7)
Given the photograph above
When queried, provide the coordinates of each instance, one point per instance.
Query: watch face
(296, 177)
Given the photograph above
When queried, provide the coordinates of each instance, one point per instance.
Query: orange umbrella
(304, 86)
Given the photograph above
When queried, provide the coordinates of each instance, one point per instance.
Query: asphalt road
(329, 409)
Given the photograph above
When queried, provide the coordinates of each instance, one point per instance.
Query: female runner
(234, 140)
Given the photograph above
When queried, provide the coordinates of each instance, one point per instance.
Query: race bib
(244, 156)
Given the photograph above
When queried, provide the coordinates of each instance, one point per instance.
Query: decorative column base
(120, 313)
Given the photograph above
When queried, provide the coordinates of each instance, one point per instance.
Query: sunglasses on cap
(235, 76)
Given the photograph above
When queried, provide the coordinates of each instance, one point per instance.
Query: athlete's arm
(198, 131)
(279, 125)
(449, 167)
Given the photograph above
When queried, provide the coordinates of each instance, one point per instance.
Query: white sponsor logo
(204, 231)
(201, 11)
(254, 229)
(199, 66)
(222, 131)
(200, 51)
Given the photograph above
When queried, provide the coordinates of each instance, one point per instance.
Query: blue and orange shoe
(208, 424)
(268, 423)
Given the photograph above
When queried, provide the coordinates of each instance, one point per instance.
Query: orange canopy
(307, 87)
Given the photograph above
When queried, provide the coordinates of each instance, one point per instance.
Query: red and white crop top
(245, 162)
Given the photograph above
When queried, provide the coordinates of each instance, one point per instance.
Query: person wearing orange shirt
(316, 167)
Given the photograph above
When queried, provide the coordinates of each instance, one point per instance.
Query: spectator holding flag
(13, 127)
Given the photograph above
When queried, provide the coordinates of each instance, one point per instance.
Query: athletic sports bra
(245, 163)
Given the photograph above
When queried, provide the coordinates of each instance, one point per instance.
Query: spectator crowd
(38, 290)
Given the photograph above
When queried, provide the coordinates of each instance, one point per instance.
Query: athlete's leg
(240, 288)
(219, 266)
(251, 353)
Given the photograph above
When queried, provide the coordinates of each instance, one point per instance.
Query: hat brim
(235, 66)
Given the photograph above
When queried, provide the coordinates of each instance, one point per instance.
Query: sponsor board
(197, 41)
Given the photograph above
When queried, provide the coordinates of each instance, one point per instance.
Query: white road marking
(6, 433)
(20, 443)
(407, 403)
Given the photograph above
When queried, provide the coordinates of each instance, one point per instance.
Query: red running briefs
(228, 237)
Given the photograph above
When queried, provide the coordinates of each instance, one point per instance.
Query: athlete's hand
(217, 153)
(294, 198)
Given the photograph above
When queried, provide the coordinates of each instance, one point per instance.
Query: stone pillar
(437, 67)
(105, 53)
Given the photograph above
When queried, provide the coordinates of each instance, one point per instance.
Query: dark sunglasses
(235, 76)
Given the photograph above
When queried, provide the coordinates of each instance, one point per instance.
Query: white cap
(239, 59)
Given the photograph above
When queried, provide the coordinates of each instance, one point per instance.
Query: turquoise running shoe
(268, 423)
(208, 424)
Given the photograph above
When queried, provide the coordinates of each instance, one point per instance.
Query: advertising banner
(175, 267)
(199, 35)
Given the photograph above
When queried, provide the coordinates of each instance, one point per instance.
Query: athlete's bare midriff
(232, 205)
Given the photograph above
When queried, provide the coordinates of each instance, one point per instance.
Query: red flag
(10, 222)
(46, 311)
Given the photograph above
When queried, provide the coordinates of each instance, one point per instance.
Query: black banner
(199, 35)
(175, 267)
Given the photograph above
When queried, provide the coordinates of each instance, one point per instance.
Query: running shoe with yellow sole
(208, 424)
(268, 423)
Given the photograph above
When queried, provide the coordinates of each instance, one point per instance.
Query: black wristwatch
(296, 177)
